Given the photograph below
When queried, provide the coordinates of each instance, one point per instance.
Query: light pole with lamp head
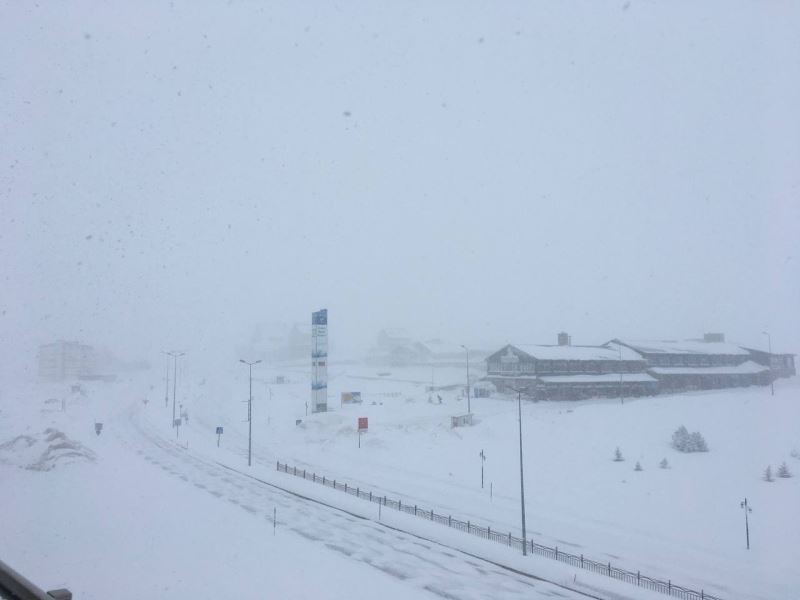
(771, 378)
(166, 385)
(175, 355)
(521, 475)
(469, 405)
(250, 412)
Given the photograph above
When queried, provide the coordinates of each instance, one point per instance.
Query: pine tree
(768, 474)
(618, 455)
(684, 441)
(664, 464)
(680, 438)
(783, 471)
(638, 467)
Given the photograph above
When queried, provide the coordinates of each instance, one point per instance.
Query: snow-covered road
(427, 565)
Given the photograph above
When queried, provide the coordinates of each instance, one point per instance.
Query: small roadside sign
(363, 423)
(219, 433)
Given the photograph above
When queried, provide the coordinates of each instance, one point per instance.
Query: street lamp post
(483, 460)
(621, 397)
(250, 412)
(166, 385)
(175, 355)
(521, 475)
(469, 405)
(771, 377)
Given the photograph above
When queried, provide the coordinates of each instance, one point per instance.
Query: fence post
(314, 477)
(556, 552)
(295, 470)
(345, 487)
(334, 484)
(415, 510)
(669, 586)
(609, 568)
(581, 561)
(384, 500)
(358, 492)
(304, 473)
(399, 504)
(638, 578)
(488, 532)
(323, 480)
(431, 514)
(469, 527)
(279, 465)
(449, 520)
(702, 595)
(509, 539)
(370, 496)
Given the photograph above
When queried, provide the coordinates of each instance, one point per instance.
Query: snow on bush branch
(684, 441)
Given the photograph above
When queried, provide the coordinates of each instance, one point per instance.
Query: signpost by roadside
(363, 425)
(177, 424)
(219, 433)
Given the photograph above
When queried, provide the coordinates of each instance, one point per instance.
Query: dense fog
(174, 174)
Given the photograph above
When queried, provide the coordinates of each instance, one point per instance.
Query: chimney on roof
(564, 339)
(713, 337)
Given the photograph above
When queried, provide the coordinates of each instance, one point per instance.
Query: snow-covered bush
(684, 441)
(638, 467)
(768, 474)
(783, 471)
(664, 464)
(618, 455)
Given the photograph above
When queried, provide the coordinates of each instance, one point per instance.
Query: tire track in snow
(436, 568)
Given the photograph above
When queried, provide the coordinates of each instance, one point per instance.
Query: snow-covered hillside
(164, 504)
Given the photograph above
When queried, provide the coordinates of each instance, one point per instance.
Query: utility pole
(747, 510)
(469, 407)
(521, 473)
(175, 355)
(771, 378)
(483, 460)
(250, 412)
(621, 400)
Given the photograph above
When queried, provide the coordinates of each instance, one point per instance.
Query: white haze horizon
(173, 174)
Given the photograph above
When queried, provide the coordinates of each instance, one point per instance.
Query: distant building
(66, 360)
(781, 364)
(702, 364)
(277, 342)
(632, 367)
(570, 372)
(397, 348)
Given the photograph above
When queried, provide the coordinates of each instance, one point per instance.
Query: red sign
(363, 423)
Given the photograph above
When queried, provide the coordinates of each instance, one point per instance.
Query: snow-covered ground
(131, 512)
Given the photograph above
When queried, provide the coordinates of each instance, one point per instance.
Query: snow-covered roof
(746, 368)
(604, 378)
(684, 347)
(773, 353)
(447, 348)
(577, 352)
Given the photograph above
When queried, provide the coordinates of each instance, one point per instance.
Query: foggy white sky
(173, 173)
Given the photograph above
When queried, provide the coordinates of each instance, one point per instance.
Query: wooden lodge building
(700, 364)
(625, 368)
(567, 372)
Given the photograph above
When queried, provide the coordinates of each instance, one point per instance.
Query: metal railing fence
(508, 539)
